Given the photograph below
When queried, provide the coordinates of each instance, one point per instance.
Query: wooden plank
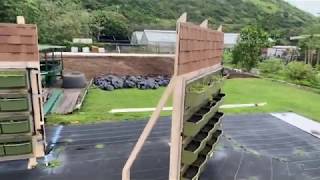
(183, 18)
(18, 30)
(21, 20)
(23, 40)
(15, 48)
(176, 129)
(19, 57)
(147, 130)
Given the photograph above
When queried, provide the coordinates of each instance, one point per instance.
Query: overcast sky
(312, 6)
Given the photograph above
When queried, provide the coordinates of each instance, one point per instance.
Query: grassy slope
(234, 14)
(98, 103)
(280, 98)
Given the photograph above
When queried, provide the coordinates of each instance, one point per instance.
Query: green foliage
(313, 42)
(104, 22)
(70, 17)
(279, 97)
(271, 67)
(62, 20)
(227, 58)
(247, 52)
(300, 73)
(9, 9)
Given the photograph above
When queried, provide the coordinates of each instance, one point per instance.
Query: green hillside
(124, 16)
(233, 13)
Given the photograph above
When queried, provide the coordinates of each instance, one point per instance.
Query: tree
(247, 52)
(104, 22)
(311, 42)
(62, 20)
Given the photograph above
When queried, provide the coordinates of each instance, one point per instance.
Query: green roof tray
(1, 150)
(12, 79)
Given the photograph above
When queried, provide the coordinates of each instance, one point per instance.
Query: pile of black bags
(112, 82)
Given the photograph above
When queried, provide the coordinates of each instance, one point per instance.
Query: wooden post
(204, 24)
(147, 130)
(21, 20)
(176, 130)
(318, 56)
(182, 18)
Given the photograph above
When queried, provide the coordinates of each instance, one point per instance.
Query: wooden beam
(147, 130)
(220, 29)
(204, 24)
(176, 129)
(182, 18)
(21, 20)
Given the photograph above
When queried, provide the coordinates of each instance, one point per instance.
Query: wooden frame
(19, 50)
(183, 75)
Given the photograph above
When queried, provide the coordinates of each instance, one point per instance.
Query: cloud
(312, 6)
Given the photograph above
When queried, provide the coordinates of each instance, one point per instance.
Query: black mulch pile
(112, 82)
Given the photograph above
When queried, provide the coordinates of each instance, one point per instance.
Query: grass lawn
(280, 98)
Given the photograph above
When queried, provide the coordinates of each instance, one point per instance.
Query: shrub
(227, 57)
(271, 66)
(301, 73)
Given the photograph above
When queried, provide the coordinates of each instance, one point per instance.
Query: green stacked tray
(18, 148)
(15, 119)
(192, 150)
(201, 93)
(14, 104)
(12, 79)
(1, 150)
(14, 124)
(194, 170)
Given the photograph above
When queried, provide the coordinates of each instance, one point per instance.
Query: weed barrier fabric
(254, 147)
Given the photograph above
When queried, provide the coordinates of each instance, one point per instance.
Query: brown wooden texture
(199, 48)
(18, 42)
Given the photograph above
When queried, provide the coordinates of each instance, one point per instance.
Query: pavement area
(254, 147)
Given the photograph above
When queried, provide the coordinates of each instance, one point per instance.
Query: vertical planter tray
(12, 79)
(219, 98)
(14, 104)
(193, 171)
(18, 148)
(194, 124)
(209, 148)
(1, 150)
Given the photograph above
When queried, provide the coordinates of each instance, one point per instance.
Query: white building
(136, 37)
(230, 40)
(165, 40)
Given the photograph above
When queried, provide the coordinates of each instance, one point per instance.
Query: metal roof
(43, 47)
(160, 36)
(303, 37)
(231, 39)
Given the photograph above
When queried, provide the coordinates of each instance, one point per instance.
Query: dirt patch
(128, 65)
